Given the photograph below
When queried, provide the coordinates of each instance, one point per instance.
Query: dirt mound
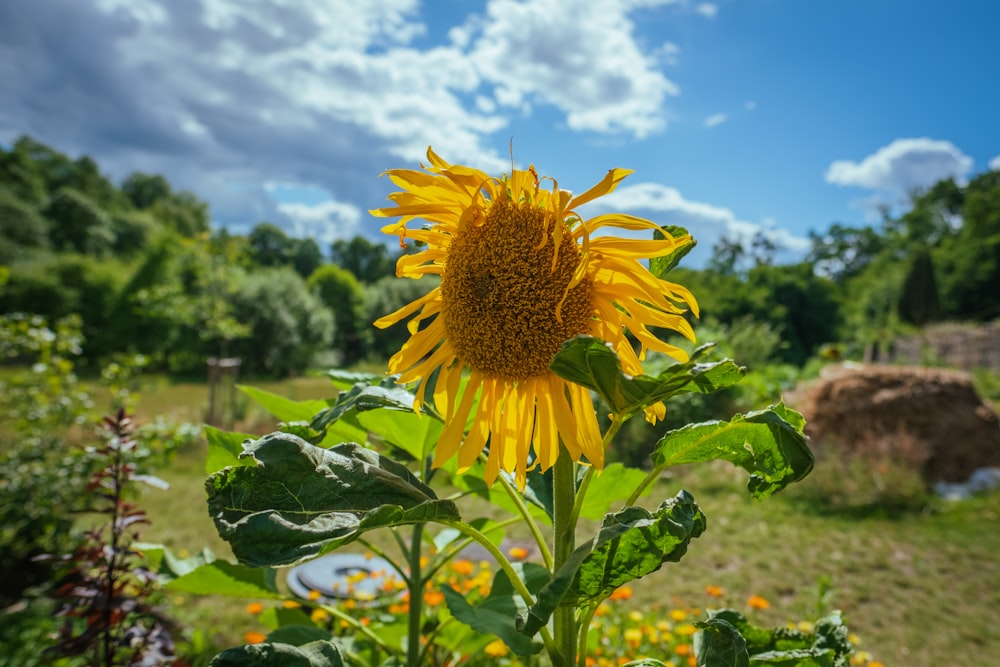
(929, 418)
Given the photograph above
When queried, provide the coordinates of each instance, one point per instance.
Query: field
(919, 583)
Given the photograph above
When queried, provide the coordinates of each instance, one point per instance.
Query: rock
(928, 418)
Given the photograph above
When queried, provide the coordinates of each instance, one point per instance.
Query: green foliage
(78, 224)
(368, 261)
(288, 325)
(313, 654)
(918, 302)
(21, 227)
(341, 292)
(386, 296)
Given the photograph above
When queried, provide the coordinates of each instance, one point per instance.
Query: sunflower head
(521, 273)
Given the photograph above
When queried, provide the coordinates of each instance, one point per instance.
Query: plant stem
(360, 628)
(564, 541)
(585, 618)
(649, 479)
(505, 565)
(523, 510)
(415, 586)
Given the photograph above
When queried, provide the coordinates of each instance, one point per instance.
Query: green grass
(919, 583)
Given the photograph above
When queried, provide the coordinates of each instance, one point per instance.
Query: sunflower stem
(564, 541)
(651, 477)
(415, 585)
(522, 509)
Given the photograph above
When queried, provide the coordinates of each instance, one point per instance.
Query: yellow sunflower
(521, 273)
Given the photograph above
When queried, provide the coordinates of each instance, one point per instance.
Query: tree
(341, 292)
(306, 256)
(844, 252)
(144, 190)
(78, 224)
(21, 227)
(368, 261)
(389, 295)
(918, 300)
(289, 325)
(269, 245)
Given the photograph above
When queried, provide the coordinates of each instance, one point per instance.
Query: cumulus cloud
(715, 119)
(903, 165)
(995, 163)
(222, 96)
(579, 56)
(706, 222)
(707, 9)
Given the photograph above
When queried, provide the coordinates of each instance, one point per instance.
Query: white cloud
(716, 119)
(325, 222)
(707, 9)
(707, 223)
(903, 165)
(580, 57)
(995, 163)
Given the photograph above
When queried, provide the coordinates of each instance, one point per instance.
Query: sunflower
(521, 273)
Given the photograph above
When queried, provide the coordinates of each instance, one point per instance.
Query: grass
(919, 584)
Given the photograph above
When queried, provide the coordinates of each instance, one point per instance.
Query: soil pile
(928, 418)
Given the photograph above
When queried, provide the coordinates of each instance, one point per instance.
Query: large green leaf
(364, 396)
(615, 482)
(826, 646)
(496, 613)
(346, 379)
(661, 266)
(631, 544)
(590, 362)
(769, 444)
(283, 408)
(414, 433)
(811, 657)
(313, 654)
(223, 578)
(224, 449)
(719, 644)
(300, 500)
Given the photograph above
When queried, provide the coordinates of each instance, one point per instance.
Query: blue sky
(737, 115)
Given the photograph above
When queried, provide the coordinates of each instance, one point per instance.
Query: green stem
(359, 627)
(586, 617)
(523, 510)
(564, 541)
(508, 569)
(644, 484)
(383, 555)
(431, 637)
(456, 548)
(414, 584)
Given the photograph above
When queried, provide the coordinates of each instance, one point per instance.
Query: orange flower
(291, 604)
(496, 649)
(314, 595)
(633, 637)
(255, 608)
(622, 593)
(463, 567)
(682, 649)
(875, 663)
(433, 598)
(517, 553)
(757, 602)
(714, 591)
(254, 637)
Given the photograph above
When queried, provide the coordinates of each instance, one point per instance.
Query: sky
(738, 116)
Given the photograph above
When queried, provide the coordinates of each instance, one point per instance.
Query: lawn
(920, 586)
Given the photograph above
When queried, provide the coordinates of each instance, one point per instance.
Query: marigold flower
(633, 637)
(517, 553)
(682, 649)
(520, 275)
(875, 663)
(254, 637)
(255, 608)
(433, 598)
(463, 567)
(757, 602)
(314, 595)
(319, 616)
(291, 604)
(714, 591)
(678, 615)
(622, 593)
(496, 649)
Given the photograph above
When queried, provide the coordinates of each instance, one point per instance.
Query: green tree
(288, 325)
(306, 256)
(344, 296)
(183, 212)
(78, 224)
(269, 245)
(368, 261)
(21, 176)
(386, 296)
(918, 300)
(21, 227)
(144, 190)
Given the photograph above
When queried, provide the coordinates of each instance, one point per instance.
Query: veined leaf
(414, 433)
(346, 379)
(615, 482)
(661, 266)
(590, 362)
(301, 501)
(495, 614)
(631, 544)
(719, 644)
(769, 444)
(223, 578)
(224, 449)
(314, 654)
(363, 396)
(283, 408)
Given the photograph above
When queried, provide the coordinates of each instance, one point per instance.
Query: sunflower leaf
(661, 266)
(589, 361)
(769, 444)
(631, 544)
(323, 653)
(495, 614)
(719, 644)
(364, 396)
(301, 501)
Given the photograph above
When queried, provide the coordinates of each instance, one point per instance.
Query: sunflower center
(500, 294)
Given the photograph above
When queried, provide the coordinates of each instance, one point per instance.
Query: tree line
(141, 265)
